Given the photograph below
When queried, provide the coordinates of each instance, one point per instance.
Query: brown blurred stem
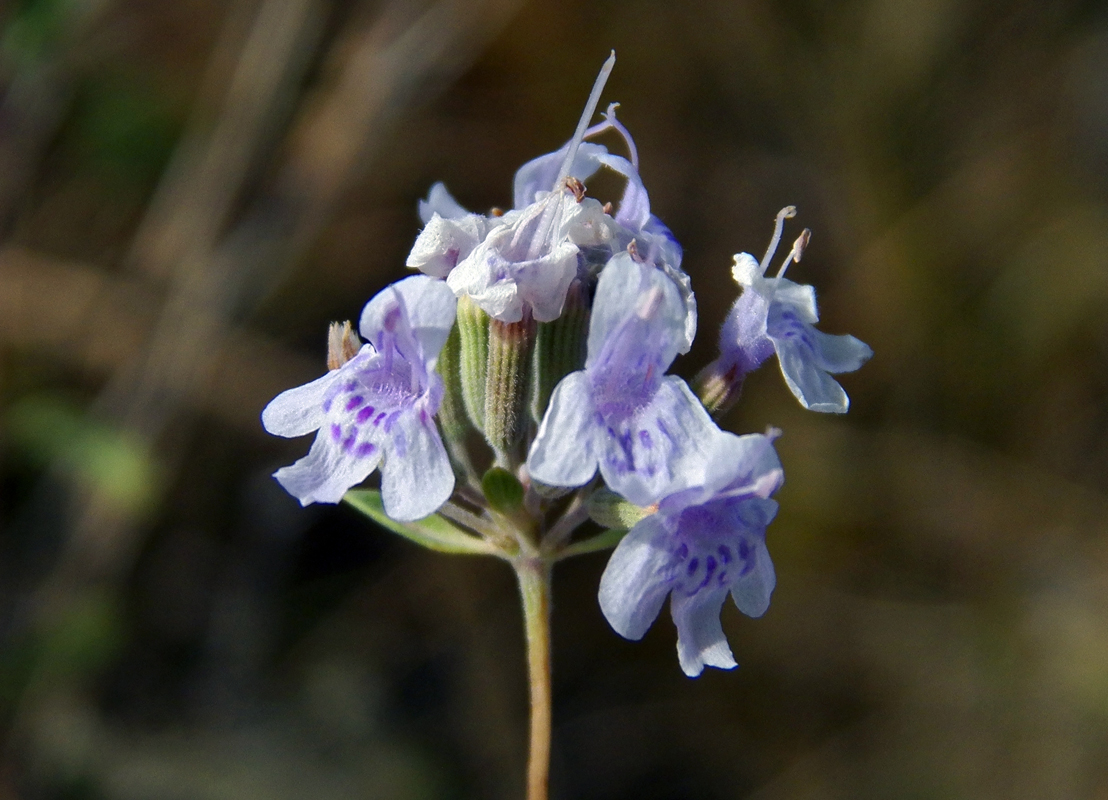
(534, 589)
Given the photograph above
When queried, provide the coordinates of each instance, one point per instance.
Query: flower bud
(559, 348)
(718, 386)
(453, 421)
(510, 347)
(473, 341)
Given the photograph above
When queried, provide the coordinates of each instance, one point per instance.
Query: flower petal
(416, 477)
(700, 639)
(622, 280)
(544, 282)
(633, 586)
(429, 306)
(539, 174)
(663, 449)
(751, 592)
(295, 412)
(842, 353)
(565, 452)
(814, 388)
(439, 201)
(444, 242)
(324, 475)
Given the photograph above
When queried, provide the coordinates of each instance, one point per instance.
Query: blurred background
(189, 193)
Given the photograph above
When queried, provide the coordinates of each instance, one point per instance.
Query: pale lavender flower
(530, 259)
(377, 408)
(645, 430)
(777, 315)
(702, 543)
(654, 242)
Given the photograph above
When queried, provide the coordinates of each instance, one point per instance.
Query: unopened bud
(342, 344)
(473, 358)
(718, 386)
(609, 510)
(453, 421)
(560, 348)
(509, 371)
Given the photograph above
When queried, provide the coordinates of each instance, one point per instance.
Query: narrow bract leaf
(432, 532)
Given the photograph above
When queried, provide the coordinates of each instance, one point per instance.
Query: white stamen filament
(650, 303)
(583, 124)
(788, 212)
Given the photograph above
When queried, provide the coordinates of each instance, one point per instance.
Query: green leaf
(608, 509)
(602, 541)
(503, 490)
(432, 532)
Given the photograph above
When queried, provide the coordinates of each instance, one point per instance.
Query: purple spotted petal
(659, 449)
(752, 591)
(418, 307)
(324, 475)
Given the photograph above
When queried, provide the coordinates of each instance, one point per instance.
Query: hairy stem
(534, 589)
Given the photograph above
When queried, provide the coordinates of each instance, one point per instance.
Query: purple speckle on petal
(693, 564)
(724, 553)
(682, 552)
(722, 577)
(348, 443)
(644, 437)
(380, 417)
(336, 432)
(365, 414)
(710, 565)
(327, 405)
(354, 402)
(365, 449)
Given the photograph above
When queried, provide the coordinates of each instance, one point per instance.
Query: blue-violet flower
(377, 408)
(645, 430)
(703, 542)
(776, 315)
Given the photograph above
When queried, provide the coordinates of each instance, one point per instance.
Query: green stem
(534, 589)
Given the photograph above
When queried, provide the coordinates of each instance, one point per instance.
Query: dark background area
(191, 190)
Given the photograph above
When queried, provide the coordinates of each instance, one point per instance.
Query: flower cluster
(574, 309)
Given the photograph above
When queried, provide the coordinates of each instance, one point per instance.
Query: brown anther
(607, 208)
(633, 249)
(342, 344)
(801, 244)
(576, 187)
(496, 212)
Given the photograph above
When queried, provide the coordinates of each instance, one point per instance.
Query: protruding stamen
(788, 212)
(583, 124)
(610, 117)
(633, 250)
(797, 252)
(342, 344)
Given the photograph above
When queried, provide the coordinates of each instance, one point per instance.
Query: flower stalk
(533, 574)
